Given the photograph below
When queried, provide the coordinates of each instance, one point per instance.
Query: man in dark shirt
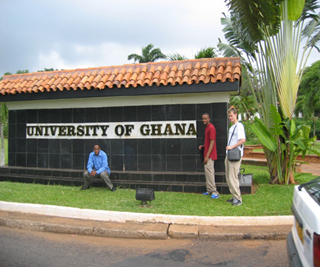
(210, 155)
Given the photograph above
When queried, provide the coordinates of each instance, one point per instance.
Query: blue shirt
(99, 163)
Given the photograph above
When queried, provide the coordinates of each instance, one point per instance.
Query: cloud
(39, 34)
(64, 34)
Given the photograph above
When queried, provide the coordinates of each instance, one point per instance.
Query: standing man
(236, 139)
(210, 155)
(97, 166)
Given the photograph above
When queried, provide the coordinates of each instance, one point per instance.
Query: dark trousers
(104, 176)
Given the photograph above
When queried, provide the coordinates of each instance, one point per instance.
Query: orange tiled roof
(207, 70)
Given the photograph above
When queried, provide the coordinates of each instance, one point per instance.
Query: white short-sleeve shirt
(239, 134)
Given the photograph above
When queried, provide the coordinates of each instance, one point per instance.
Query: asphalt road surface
(25, 248)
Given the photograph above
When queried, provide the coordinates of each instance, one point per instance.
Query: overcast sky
(69, 34)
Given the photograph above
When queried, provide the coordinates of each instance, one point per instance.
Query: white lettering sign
(114, 130)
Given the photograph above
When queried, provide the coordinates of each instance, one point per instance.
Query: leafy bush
(300, 121)
(251, 138)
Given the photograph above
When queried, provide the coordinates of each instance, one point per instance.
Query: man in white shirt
(236, 139)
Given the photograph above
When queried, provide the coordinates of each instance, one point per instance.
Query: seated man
(97, 167)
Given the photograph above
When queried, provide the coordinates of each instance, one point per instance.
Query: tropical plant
(19, 72)
(148, 55)
(245, 105)
(284, 134)
(268, 34)
(47, 69)
(176, 56)
(207, 52)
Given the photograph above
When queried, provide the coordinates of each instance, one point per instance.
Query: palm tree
(148, 55)
(176, 56)
(208, 52)
(269, 34)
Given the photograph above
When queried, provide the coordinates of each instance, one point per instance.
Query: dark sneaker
(114, 188)
(230, 200)
(214, 196)
(84, 188)
(236, 202)
(206, 194)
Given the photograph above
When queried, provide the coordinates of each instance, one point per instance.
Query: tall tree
(176, 56)
(309, 94)
(20, 72)
(149, 54)
(269, 34)
(207, 52)
(47, 69)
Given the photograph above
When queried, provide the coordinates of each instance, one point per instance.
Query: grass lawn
(267, 200)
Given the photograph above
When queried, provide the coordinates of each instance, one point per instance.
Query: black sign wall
(167, 156)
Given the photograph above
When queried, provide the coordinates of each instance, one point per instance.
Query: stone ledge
(183, 231)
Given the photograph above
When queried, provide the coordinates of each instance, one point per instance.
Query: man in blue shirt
(97, 166)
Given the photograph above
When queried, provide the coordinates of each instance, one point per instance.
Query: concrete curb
(114, 216)
(47, 218)
(54, 224)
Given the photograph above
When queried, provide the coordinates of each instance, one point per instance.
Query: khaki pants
(104, 176)
(210, 177)
(232, 171)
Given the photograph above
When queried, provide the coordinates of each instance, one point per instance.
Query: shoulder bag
(235, 153)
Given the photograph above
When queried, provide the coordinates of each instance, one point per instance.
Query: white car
(303, 242)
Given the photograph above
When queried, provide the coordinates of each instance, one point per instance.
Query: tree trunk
(272, 166)
(291, 178)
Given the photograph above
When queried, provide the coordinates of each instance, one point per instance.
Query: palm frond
(252, 17)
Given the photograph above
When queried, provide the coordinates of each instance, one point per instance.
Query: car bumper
(293, 256)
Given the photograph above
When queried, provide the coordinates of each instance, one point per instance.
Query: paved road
(27, 248)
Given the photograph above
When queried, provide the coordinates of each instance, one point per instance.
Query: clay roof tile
(141, 77)
(181, 67)
(137, 70)
(189, 67)
(210, 70)
(186, 79)
(90, 79)
(144, 69)
(163, 76)
(197, 66)
(195, 72)
(166, 69)
(119, 77)
(60, 87)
